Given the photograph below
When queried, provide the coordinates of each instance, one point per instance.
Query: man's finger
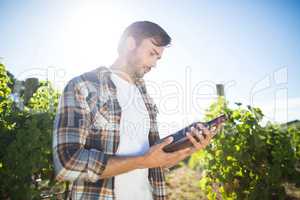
(217, 129)
(204, 130)
(199, 137)
(196, 144)
(202, 127)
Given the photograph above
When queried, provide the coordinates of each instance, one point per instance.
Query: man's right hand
(157, 157)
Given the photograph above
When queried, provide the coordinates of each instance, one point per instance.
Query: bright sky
(250, 46)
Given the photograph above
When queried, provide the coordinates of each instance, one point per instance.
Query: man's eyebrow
(153, 41)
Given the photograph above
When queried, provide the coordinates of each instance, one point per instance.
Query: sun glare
(92, 32)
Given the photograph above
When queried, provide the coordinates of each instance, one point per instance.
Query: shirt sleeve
(71, 127)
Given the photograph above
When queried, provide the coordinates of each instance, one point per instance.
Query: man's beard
(139, 73)
(136, 71)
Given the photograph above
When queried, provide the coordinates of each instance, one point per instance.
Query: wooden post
(220, 90)
(31, 85)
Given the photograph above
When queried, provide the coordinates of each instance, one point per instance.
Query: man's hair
(144, 29)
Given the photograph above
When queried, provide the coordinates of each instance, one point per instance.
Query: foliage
(5, 101)
(25, 155)
(247, 160)
(295, 134)
(45, 99)
(25, 142)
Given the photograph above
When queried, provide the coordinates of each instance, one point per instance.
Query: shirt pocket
(100, 116)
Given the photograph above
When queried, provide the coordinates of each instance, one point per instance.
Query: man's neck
(121, 68)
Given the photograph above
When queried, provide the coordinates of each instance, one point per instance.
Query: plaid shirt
(86, 133)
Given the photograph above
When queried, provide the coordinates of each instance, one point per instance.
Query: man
(105, 129)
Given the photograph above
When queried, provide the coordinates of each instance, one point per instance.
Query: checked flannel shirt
(86, 133)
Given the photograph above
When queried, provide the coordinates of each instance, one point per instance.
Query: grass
(182, 184)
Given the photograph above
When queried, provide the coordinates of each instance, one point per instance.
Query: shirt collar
(105, 75)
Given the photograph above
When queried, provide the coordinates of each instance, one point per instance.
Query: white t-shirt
(134, 130)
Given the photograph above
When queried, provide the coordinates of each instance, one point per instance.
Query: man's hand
(203, 136)
(156, 157)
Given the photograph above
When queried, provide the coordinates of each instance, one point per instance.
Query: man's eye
(152, 54)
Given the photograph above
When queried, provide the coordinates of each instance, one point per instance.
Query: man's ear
(130, 43)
